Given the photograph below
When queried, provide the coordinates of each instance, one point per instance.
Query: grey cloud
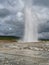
(12, 5)
(41, 2)
(10, 25)
(41, 12)
(4, 12)
(7, 29)
(44, 27)
(19, 27)
(1, 1)
(44, 35)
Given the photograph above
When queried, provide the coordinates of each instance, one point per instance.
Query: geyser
(31, 25)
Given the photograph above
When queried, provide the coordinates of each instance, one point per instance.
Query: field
(13, 53)
(8, 39)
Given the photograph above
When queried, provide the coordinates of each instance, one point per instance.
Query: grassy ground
(8, 38)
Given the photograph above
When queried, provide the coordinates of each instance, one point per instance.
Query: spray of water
(30, 33)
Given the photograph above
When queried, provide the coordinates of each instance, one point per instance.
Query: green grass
(43, 39)
(8, 38)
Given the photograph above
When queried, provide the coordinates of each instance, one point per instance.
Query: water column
(30, 32)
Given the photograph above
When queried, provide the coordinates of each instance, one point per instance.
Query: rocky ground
(12, 53)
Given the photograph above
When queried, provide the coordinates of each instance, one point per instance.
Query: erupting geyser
(30, 33)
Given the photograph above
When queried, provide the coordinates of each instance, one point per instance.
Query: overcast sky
(12, 17)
